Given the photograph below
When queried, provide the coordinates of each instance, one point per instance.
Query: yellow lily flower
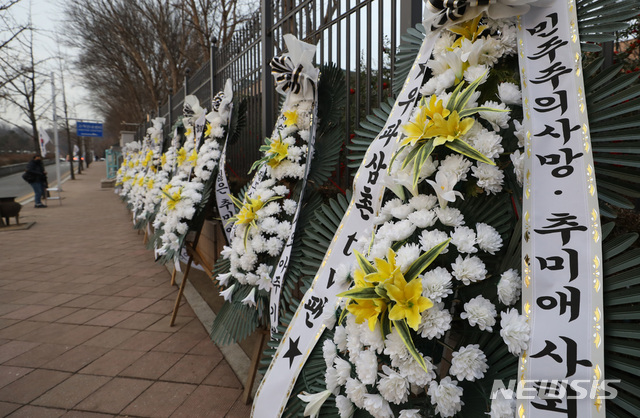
(163, 159)
(367, 309)
(247, 213)
(278, 151)
(409, 302)
(173, 199)
(150, 184)
(291, 118)
(386, 270)
(193, 158)
(446, 130)
(470, 30)
(182, 155)
(207, 132)
(419, 129)
(188, 132)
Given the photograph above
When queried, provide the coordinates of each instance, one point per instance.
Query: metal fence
(360, 36)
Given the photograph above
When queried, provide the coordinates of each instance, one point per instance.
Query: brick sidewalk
(84, 320)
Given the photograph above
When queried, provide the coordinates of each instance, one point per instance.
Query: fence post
(170, 109)
(186, 81)
(267, 79)
(212, 67)
(410, 14)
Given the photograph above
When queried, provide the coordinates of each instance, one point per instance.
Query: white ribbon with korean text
(562, 276)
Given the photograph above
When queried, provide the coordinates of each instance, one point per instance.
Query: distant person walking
(36, 176)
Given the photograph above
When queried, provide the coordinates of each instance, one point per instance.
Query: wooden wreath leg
(180, 292)
(173, 276)
(146, 237)
(253, 370)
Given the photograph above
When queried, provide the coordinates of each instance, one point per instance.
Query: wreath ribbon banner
(561, 249)
(308, 322)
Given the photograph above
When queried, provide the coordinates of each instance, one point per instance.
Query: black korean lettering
(406, 104)
(571, 355)
(545, 28)
(566, 130)
(557, 263)
(314, 308)
(376, 164)
(552, 74)
(391, 132)
(551, 103)
(554, 159)
(365, 203)
(548, 49)
(551, 392)
(565, 300)
(563, 224)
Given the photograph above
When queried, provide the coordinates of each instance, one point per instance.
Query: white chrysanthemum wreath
(263, 222)
(402, 299)
(196, 163)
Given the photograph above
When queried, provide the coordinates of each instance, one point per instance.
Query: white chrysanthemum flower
(329, 352)
(423, 202)
(474, 72)
(450, 216)
(497, 120)
(431, 238)
(289, 206)
(340, 338)
(469, 269)
(489, 177)
(510, 94)
(481, 312)
(414, 373)
(464, 238)
(401, 230)
(345, 406)
(488, 239)
(355, 391)
(392, 386)
(343, 370)
(402, 211)
(367, 367)
(468, 363)
(517, 158)
(377, 406)
(509, 287)
(446, 396)
(456, 165)
(406, 255)
(331, 380)
(515, 331)
(519, 132)
(436, 284)
(435, 322)
(372, 339)
(487, 143)
(394, 347)
(422, 218)
(503, 404)
(410, 413)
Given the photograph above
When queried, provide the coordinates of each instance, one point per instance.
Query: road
(14, 185)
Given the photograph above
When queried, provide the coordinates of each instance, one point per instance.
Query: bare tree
(20, 72)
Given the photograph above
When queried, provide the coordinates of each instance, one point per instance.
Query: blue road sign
(89, 129)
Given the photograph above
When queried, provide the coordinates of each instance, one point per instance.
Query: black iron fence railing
(359, 36)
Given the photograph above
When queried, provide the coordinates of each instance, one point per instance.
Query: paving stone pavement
(84, 320)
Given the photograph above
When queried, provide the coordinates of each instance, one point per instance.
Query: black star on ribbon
(293, 351)
(287, 77)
